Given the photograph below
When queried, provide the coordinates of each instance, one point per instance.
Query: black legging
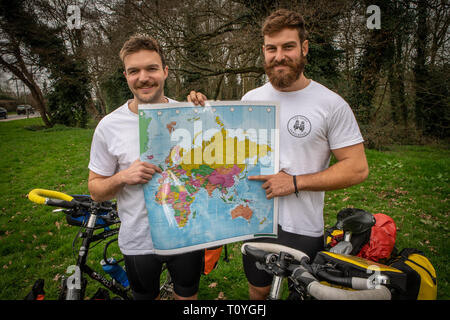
(144, 273)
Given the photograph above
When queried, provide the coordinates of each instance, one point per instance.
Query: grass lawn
(409, 183)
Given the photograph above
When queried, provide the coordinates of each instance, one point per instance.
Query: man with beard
(314, 122)
(116, 171)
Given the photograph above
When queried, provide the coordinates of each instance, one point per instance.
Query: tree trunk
(397, 85)
(27, 78)
(420, 68)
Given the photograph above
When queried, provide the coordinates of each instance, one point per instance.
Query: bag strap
(405, 253)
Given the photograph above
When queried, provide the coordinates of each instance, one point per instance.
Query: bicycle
(307, 278)
(90, 216)
(336, 275)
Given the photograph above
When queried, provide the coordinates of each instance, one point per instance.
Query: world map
(203, 198)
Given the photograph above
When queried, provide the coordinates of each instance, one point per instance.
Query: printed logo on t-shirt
(299, 126)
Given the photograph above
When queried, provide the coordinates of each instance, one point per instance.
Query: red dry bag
(382, 239)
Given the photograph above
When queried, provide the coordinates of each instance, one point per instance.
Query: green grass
(409, 183)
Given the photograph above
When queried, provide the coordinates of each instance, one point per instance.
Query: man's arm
(104, 188)
(351, 168)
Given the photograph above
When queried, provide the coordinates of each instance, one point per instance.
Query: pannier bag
(382, 239)
(421, 275)
(342, 265)
(210, 259)
(81, 217)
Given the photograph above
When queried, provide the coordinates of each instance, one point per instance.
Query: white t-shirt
(313, 121)
(115, 146)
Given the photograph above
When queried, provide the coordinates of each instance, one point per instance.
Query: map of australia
(202, 197)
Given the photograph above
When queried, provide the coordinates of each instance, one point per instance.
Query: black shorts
(144, 273)
(309, 245)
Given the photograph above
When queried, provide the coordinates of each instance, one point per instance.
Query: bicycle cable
(75, 240)
(105, 250)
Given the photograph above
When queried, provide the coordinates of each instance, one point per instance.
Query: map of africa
(203, 198)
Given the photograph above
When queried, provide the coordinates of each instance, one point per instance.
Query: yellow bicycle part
(41, 196)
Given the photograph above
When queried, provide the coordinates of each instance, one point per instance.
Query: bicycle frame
(77, 292)
(78, 209)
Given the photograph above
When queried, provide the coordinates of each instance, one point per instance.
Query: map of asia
(203, 198)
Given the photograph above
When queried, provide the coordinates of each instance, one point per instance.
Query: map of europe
(203, 198)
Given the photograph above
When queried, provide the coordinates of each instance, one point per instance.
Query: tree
(431, 81)
(402, 31)
(377, 54)
(25, 43)
(28, 42)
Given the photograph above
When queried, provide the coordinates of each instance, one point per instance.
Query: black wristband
(295, 186)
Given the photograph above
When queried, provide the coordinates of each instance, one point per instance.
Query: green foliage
(197, 52)
(322, 63)
(432, 102)
(69, 96)
(116, 90)
(68, 73)
(23, 25)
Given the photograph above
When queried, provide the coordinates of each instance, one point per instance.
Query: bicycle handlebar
(52, 198)
(323, 292)
(275, 248)
(261, 251)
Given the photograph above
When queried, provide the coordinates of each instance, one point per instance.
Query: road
(21, 116)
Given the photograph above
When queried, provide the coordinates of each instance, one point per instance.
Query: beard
(284, 79)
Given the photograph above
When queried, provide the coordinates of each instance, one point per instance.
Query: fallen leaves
(221, 296)
(400, 191)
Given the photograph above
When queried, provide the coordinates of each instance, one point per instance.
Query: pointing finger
(259, 178)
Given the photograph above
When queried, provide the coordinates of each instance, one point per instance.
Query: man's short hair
(284, 18)
(141, 42)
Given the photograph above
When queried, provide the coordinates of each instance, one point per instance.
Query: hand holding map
(202, 197)
(139, 172)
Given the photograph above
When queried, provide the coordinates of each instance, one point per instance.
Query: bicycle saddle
(355, 220)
